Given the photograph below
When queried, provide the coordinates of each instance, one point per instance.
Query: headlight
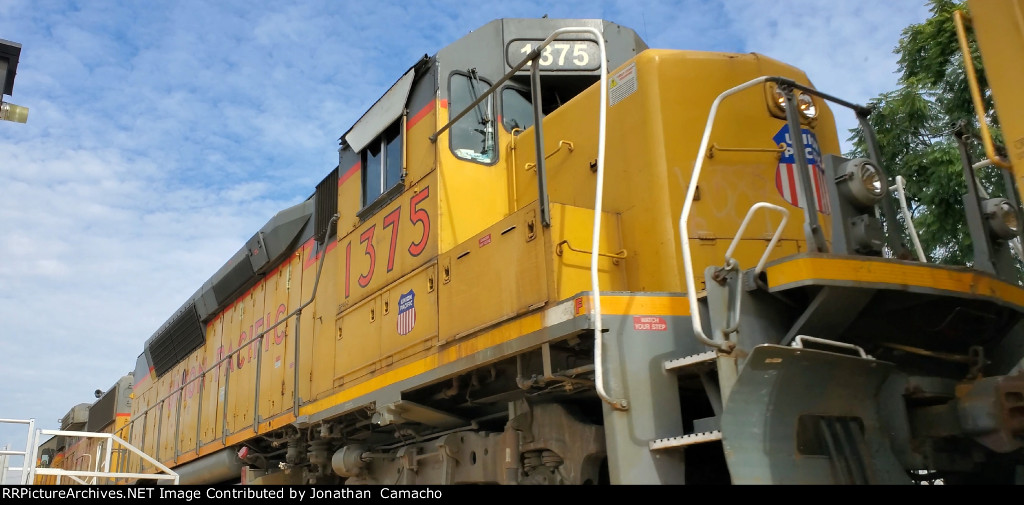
(1002, 217)
(780, 98)
(806, 105)
(861, 182)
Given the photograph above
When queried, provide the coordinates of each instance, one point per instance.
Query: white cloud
(846, 48)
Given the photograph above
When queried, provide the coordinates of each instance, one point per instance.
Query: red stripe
(419, 115)
(824, 192)
(817, 188)
(311, 258)
(348, 173)
(792, 184)
(144, 378)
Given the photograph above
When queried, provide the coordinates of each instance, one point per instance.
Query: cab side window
(381, 161)
(472, 137)
(516, 109)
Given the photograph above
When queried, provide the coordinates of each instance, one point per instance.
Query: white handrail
(167, 474)
(733, 320)
(619, 403)
(28, 456)
(684, 235)
(902, 197)
(743, 226)
(595, 287)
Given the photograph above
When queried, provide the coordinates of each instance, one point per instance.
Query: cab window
(516, 109)
(382, 163)
(472, 137)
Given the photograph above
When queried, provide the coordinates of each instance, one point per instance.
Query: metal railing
(684, 217)
(29, 449)
(812, 231)
(101, 469)
(256, 341)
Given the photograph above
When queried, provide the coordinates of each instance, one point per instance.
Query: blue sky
(161, 135)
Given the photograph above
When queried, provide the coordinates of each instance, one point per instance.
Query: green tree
(915, 126)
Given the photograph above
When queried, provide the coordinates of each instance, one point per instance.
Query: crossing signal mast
(9, 53)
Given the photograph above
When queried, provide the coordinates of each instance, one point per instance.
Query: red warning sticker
(484, 240)
(649, 323)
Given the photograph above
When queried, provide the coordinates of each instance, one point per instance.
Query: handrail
(743, 226)
(258, 339)
(732, 323)
(811, 230)
(902, 197)
(561, 143)
(615, 256)
(799, 343)
(972, 83)
(616, 403)
(684, 234)
(168, 474)
(534, 54)
(28, 455)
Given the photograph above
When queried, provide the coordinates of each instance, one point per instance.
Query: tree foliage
(915, 126)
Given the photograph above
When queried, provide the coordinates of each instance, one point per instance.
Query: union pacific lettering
(247, 338)
(174, 389)
(250, 338)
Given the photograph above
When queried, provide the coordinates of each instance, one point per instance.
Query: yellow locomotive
(552, 255)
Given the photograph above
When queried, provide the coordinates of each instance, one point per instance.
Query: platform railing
(101, 469)
(5, 454)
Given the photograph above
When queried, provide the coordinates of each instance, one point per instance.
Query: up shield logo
(406, 312)
(786, 179)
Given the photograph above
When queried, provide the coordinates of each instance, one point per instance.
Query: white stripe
(787, 180)
(562, 312)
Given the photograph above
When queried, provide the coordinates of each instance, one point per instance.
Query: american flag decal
(787, 180)
(406, 312)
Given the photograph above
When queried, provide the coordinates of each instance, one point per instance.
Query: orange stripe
(311, 259)
(144, 378)
(348, 173)
(419, 115)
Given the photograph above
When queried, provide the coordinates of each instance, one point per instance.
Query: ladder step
(694, 364)
(685, 440)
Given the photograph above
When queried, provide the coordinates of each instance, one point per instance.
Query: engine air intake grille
(176, 340)
(102, 412)
(326, 204)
